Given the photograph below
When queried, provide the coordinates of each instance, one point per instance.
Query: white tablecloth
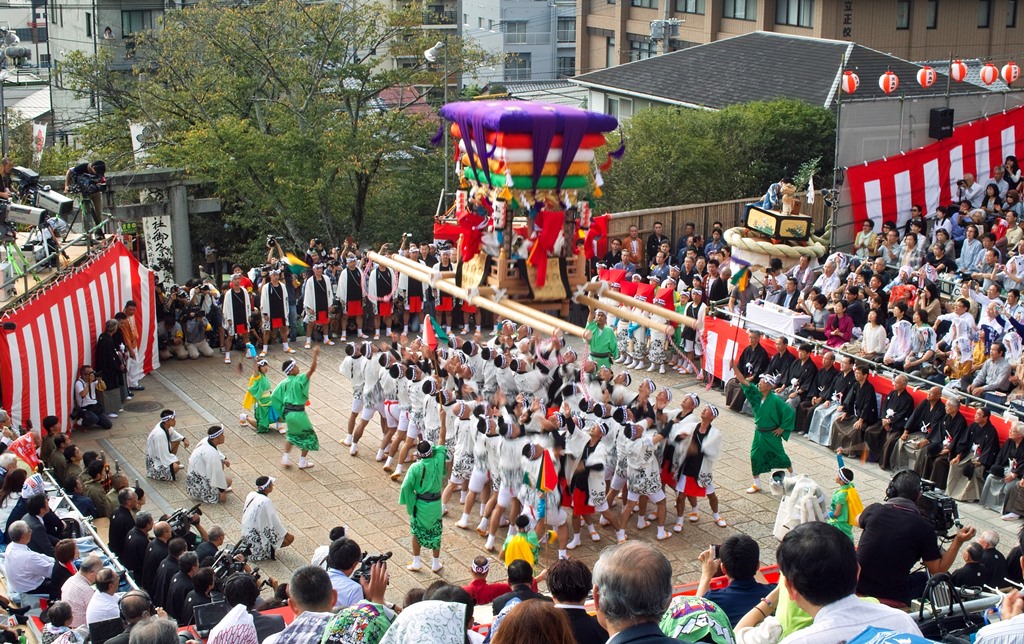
(774, 320)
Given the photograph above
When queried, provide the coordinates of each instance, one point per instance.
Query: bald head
(162, 531)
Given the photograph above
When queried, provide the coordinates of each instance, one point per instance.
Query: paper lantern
(989, 74)
(888, 82)
(1011, 72)
(958, 71)
(926, 76)
(850, 82)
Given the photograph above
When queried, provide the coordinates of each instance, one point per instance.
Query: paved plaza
(356, 492)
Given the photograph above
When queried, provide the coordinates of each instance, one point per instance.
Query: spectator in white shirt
(970, 190)
(103, 605)
(820, 568)
(28, 572)
(961, 324)
(78, 591)
(828, 281)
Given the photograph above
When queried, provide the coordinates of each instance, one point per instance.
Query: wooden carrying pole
(661, 311)
(542, 323)
(625, 314)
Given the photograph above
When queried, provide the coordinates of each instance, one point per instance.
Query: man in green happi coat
(421, 496)
(773, 422)
(603, 346)
(290, 397)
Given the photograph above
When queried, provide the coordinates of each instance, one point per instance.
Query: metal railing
(32, 271)
(440, 17)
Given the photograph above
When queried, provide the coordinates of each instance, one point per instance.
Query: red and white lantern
(989, 74)
(958, 71)
(1011, 72)
(926, 76)
(850, 82)
(888, 82)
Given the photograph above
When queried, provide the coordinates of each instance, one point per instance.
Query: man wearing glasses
(89, 410)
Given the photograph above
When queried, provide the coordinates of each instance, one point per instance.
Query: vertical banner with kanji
(159, 250)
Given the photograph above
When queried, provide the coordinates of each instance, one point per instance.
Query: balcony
(519, 38)
(432, 18)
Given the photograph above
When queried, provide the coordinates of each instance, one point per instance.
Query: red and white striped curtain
(884, 190)
(56, 334)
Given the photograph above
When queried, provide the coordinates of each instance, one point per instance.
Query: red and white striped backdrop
(56, 333)
(886, 189)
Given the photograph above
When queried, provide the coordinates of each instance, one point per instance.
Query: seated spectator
(154, 630)
(78, 590)
(819, 565)
(136, 544)
(520, 579)
(342, 559)
(319, 557)
(208, 549)
(36, 507)
(89, 411)
(181, 585)
(994, 561)
(103, 605)
(73, 488)
(739, 560)
(311, 597)
(535, 622)
(241, 588)
(201, 594)
(64, 553)
(972, 573)
(28, 572)
(570, 581)
(994, 375)
(481, 591)
(123, 519)
(632, 590)
(59, 615)
(136, 607)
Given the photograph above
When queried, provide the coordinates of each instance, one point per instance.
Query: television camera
(230, 561)
(367, 562)
(182, 522)
(939, 509)
(36, 202)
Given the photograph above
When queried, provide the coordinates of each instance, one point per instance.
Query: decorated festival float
(520, 216)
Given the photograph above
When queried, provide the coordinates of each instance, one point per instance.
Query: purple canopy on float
(540, 120)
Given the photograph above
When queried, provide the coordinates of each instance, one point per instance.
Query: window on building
(644, 4)
(134, 21)
(903, 14)
(566, 66)
(566, 30)
(931, 18)
(515, 32)
(619, 107)
(610, 58)
(690, 6)
(984, 14)
(642, 50)
(799, 13)
(740, 9)
(88, 25)
(44, 60)
(465, 19)
(519, 68)
(1011, 13)
(490, 25)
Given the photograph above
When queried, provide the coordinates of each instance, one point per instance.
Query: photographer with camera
(89, 179)
(343, 559)
(241, 588)
(896, 537)
(196, 328)
(88, 410)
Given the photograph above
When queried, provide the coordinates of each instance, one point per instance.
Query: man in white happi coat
(317, 300)
(261, 526)
(206, 480)
(162, 461)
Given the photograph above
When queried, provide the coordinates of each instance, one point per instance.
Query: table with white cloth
(774, 320)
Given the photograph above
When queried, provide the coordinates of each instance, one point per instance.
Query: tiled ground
(357, 493)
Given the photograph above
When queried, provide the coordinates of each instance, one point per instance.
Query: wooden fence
(701, 215)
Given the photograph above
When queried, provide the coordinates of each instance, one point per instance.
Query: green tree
(677, 156)
(290, 108)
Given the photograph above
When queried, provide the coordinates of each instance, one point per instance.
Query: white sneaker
(594, 535)
(286, 460)
(111, 415)
(575, 543)
(436, 567)
(243, 419)
(347, 440)
(662, 369)
(354, 449)
(304, 464)
(651, 368)
(1009, 516)
(639, 366)
(620, 360)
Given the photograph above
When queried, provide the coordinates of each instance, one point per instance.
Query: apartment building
(612, 32)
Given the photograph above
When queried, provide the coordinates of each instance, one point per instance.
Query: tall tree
(293, 109)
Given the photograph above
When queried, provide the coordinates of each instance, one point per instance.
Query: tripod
(85, 206)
